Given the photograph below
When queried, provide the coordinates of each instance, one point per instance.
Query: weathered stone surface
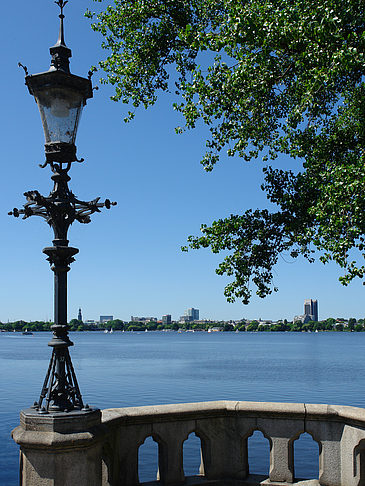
(353, 456)
(171, 440)
(328, 435)
(60, 450)
(65, 450)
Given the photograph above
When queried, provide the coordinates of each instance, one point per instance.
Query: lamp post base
(62, 422)
(60, 448)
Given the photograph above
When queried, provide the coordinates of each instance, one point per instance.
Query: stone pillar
(281, 460)
(172, 436)
(128, 440)
(353, 456)
(224, 451)
(60, 449)
(329, 435)
(329, 461)
(280, 431)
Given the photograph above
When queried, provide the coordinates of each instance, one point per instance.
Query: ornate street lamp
(60, 97)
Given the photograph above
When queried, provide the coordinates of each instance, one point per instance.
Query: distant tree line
(330, 324)
(23, 325)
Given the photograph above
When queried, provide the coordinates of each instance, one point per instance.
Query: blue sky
(130, 261)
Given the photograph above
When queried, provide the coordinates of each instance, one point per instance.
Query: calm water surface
(132, 369)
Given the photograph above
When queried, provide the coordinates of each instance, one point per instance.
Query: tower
(192, 314)
(79, 317)
(315, 309)
(311, 309)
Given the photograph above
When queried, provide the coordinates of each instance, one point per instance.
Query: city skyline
(310, 314)
(130, 259)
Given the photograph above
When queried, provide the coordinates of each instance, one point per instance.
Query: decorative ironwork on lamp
(60, 97)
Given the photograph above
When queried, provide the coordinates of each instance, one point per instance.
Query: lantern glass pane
(60, 110)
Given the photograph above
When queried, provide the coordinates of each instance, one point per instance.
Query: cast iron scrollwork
(60, 209)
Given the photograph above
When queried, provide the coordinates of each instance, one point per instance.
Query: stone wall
(105, 452)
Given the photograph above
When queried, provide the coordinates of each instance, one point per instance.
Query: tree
(19, 325)
(117, 325)
(151, 326)
(75, 325)
(297, 326)
(351, 324)
(253, 326)
(267, 78)
(280, 327)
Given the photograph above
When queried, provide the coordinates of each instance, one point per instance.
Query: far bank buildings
(191, 315)
(310, 311)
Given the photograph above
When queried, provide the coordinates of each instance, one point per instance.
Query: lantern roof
(60, 97)
(59, 72)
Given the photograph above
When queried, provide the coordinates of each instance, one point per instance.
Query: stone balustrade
(104, 452)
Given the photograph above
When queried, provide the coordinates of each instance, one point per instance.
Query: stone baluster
(125, 462)
(268, 418)
(171, 440)
(223, 449)
(353, 456)
(328, 434)
(281, 433)
(281, 460)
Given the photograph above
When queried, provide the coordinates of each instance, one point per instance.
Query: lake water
(132, 369)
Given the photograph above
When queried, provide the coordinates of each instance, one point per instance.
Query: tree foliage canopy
(267, 77)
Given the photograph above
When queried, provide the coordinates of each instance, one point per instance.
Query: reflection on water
(129, 369)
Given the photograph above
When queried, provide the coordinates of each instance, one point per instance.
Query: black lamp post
(60, 97)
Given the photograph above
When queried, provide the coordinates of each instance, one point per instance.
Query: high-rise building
(166, 319)
(311, 309)
(105, 319)
(192, 314)
(79, 317)
(315, 310)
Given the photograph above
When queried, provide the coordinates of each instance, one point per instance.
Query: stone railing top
(186, 411)
(107, 453)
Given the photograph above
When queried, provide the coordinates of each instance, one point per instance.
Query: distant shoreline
(115, 325)
(176, 332)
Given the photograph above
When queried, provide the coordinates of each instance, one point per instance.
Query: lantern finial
(59, 52)
(61, 36)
